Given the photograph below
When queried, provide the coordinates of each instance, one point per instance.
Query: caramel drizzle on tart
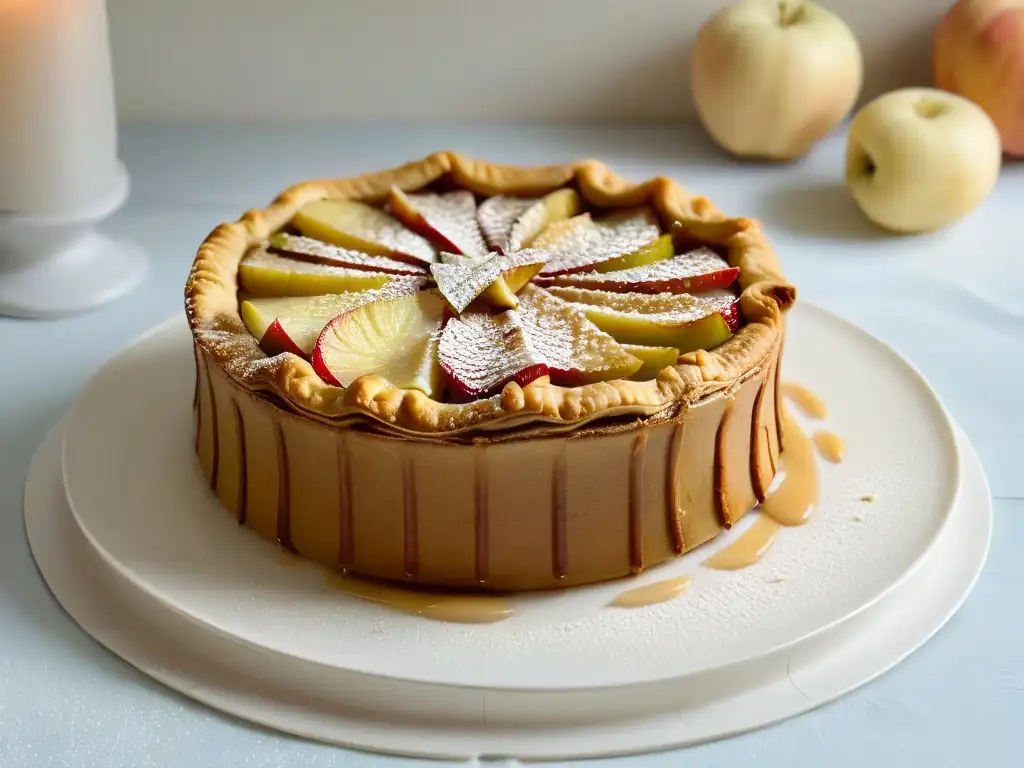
(241, 499)
(720, 489)
(284, 500)
(559, 493)
(636, 500)
(778, 394)
(755, 444)
(410, 523)
(195, 386)
(215, 428)
(675, 479)
(480, 521)
(197, 403)
(346, 543)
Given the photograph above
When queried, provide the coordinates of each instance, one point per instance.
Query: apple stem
(790, 13)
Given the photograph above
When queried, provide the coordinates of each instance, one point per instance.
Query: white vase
(59, 169)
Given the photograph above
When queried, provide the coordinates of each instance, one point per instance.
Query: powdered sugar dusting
(481, 352)
(263, 259)
(451, 218)
(461, 283)
(299, 247)
(497, 215)
(374, 226)
(670, 308)
(698, 270)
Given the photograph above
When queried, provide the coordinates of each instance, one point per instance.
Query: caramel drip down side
(284, 501)
(559, 546)
(778, 393)
(197, 402)
(243, 469)
(195, 386)
(636, 502)
(771, 457)
(214, 429)
(346, 546)
(480, 513)
(675, 507)
(795, 498)
(755, 445)
(791, 503)
(409, 518)
(720, 486)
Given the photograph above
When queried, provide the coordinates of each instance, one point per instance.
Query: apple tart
(462, 374)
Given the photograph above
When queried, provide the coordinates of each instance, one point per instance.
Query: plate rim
(950, 444)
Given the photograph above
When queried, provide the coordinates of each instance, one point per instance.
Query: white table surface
(952, 302)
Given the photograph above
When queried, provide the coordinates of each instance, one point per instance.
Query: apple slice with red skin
(262, 274)
(448, 219)
(558, 205)
(319, 252)
(581, 244)
(496, 217)
(683, 321)
(694, 272)
(361, 227)
(495, 280)
(481, 352)
(395, 339)
(293, 323)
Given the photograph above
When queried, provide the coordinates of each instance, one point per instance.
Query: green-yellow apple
(978, 52)
(919, 159)
(772, 78)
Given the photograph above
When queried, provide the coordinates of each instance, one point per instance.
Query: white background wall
(276, 60)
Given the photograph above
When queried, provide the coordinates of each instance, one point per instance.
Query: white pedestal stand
(56, 265)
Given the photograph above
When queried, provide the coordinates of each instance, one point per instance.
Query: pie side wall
(515, 515)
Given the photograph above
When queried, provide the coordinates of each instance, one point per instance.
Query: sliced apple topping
(292, 324)
(581, 244)
(448, 219)
(308, 249)
(361, 227)
(694, 272)
(396, 339)
(576, 234)
(558, 205)
(496, 216)
(683, 321)
(655, 359)
(481, 352)
(629, 221)
(495, 279)
(264, 274)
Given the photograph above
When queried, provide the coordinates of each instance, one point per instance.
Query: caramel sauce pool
(650, 594)
(830, 445)
(793, 501)
(808, 402)
(748, 548)
(461, 609)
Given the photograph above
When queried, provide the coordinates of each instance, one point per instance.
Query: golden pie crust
(536, 487)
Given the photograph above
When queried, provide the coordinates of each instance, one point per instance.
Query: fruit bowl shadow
(823, 209)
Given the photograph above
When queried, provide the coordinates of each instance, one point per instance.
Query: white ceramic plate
(243, 681)
(138, 494)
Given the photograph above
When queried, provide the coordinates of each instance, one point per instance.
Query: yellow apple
(978, 53)
(772, 78)
(919, 159)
